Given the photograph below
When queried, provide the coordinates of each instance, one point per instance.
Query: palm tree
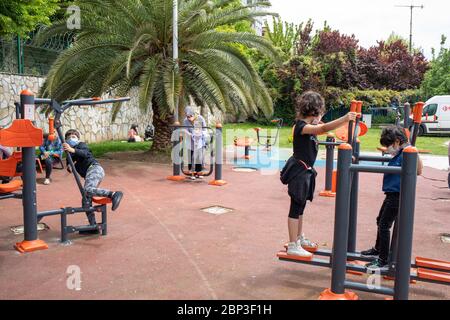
(126, 43)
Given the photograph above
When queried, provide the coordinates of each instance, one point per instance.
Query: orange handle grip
(51, 129)
(359, 108)
(418, 110)
(353, 106)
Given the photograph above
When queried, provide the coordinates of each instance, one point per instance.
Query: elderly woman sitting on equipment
(198, 142)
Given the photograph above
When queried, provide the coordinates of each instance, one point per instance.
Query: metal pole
(176, 158)
(410, 30)
(218, 158)
(19, 55)
(30, 242)
(353, 221)
(29, 181)
(339, 255)
(329, 164)
(406, 223)
(407, 114)
(175, 50)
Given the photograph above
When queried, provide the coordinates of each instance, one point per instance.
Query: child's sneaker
(47, 182)
(296, 250)
(377, 264)
(306, 243)
(370, 253)
(116, 197)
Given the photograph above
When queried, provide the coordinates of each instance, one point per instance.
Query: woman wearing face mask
(395, 140)
(88, 168)
(196, 129)
(299, 171)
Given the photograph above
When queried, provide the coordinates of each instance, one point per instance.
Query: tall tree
(123, 44)
(22, 16)
(437, 79)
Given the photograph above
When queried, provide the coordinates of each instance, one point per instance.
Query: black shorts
(297, 209)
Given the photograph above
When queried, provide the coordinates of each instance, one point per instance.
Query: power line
(411, 7)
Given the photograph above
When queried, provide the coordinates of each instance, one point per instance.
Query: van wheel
(422, 130)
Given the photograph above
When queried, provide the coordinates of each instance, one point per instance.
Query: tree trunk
(163, 132)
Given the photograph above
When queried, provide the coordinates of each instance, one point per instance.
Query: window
(430, 109)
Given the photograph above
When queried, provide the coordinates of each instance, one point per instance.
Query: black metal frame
(269, 143)
(181, 137)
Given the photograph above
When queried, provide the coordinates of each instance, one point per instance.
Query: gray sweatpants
(94, 177)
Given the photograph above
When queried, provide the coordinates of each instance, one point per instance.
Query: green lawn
(99, 149)
(368, 143)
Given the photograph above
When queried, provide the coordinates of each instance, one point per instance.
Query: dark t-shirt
(83, 158)
(306, 146)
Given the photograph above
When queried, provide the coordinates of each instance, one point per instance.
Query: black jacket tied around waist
(300, 178)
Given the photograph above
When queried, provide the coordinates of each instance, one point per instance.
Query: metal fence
(24, 56)
(379, 114)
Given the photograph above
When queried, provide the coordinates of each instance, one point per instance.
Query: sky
(372, 20)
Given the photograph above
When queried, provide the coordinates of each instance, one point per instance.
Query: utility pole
(175, 50)
(411, 7)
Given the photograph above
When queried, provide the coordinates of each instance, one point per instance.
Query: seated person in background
(49, 150)
(4, 154)
(133, 135)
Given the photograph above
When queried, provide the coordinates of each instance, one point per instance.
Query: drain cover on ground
(217, 210)
(20, 229)
(244, 169)
(445, 237)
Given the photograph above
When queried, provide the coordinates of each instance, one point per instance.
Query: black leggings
(48, 167)
(386, 218)
(297, 209)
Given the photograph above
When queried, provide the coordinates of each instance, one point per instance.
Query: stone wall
(94, 122)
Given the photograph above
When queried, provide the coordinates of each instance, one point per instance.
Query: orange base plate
(218, 183)
(358, 263)
(176, 178)
(328, 295)
(327, 193)
(283, 254)
(29, 246)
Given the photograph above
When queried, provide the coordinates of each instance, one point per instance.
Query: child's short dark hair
(309, 104)
(391, 134)
(71, 132)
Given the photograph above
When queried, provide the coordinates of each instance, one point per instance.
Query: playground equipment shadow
(160, 245)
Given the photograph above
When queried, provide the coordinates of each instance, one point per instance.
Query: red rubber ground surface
(161, 246)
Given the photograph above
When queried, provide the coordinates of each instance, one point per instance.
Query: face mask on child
(392, 150)
(316, 121)
(72, 142)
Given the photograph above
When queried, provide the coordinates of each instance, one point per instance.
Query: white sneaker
(306, 243)
(192, 178)
(296, 250)
(47, 181)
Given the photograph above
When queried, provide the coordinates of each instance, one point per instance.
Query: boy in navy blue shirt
(395, 140)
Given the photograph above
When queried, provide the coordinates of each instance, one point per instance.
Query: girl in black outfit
(299, 171)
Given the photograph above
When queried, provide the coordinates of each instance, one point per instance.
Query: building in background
(258, 25)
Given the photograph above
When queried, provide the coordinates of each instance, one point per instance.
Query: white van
(436, 116)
